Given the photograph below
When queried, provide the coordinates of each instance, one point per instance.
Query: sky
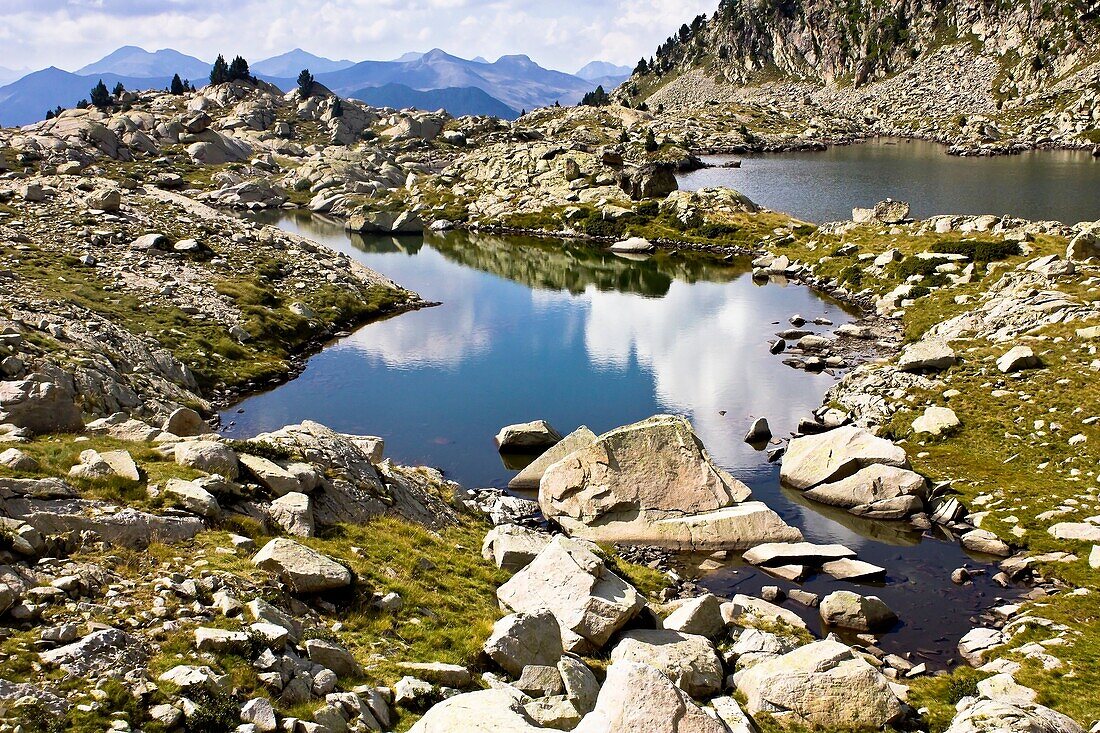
(560, 34)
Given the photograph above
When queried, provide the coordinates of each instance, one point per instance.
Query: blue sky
(563, 34)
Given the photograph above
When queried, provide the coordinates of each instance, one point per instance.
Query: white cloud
(563, 35)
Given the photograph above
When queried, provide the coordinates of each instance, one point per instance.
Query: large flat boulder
(689, 660)
(619, 486)
(589, 601)
(734, 527)
(303, 569)
(820, 684)
(776, 554)
(877, 491)
(828, 457)
(637, 697)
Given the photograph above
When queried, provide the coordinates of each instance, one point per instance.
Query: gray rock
(41, 404)
(305, 570)
(520, 640)
(978, 715)
(1017, 359)
(690, 661)
(529, 477)
(759, 431)
(589, 602)
(192, 497)
(512, 547)
(877, 491)
(104, 652)
(527, 436)
(701, 615)
(821, 684)
(816, 459)
(208, 456)
(294, 513)
(636, 697)
(185, 423)
(848, 610)
(487, 711)
(927, 355)
(332, 656)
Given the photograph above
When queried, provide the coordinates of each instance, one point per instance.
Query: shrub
(594, 225)
(215, 712)
(979, 252)
(717, 230)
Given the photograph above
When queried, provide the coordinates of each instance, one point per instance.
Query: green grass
(56, 454)
(206, 347)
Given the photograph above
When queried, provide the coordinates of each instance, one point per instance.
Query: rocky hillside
(155, 576)
(1010, 61)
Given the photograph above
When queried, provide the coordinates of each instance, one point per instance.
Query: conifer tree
(220, 73)
(100, 96)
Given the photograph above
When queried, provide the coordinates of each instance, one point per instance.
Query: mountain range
(429, 80)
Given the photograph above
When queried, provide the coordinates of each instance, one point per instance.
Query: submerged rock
(534, 435)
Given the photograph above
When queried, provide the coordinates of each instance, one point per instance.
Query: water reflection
(543, 329)
(535, 328)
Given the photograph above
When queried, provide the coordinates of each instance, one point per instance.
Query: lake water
(547, 329)
(1062, 185)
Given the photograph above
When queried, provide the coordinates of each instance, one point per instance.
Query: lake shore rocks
(837, 454)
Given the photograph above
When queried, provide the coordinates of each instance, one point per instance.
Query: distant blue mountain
(598, 70)
(291, 63)
(458, 101)
(517, 81)
(27, 100)
(429, 80)
(135, 62)
(7, 76)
